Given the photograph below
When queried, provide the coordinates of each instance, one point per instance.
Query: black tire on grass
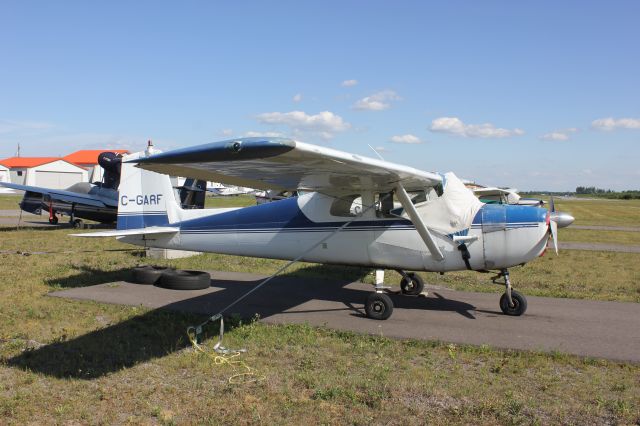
(148, 274)
(184, 280)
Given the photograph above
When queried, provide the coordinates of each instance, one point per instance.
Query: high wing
(65, 196)
(285, 164)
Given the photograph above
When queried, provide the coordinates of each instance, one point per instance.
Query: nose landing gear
(511, 302)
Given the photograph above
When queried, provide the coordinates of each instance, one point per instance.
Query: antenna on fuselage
(377, 153)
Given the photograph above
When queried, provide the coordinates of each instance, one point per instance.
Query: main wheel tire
(184, 280)
(53, 220)
(412, 286)
(78, 224)
(148, 274)
(378, 306)
(519, 304)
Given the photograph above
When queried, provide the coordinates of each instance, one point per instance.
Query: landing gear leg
(53, 219)
(379, 305)
(511, 303)
(76, 223)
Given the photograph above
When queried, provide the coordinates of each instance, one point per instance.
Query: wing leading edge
(285, 164)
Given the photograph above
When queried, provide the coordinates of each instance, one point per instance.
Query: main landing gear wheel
(53, 220)
(412, 284)
(378, 306)
(78, 223)
(519, 304)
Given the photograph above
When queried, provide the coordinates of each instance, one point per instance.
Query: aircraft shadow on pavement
(163, 331)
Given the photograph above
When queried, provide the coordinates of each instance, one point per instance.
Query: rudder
(145, 198)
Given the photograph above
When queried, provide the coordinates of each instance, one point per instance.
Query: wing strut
(417, 221)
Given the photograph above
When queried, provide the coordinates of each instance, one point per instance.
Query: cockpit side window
(346, 206)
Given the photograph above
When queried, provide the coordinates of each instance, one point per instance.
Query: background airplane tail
(145, 198)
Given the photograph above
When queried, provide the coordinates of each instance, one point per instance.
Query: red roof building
(26, 162)
(88, 157)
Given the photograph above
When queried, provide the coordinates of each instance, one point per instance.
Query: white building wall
(4, 174)
(18, 176)
(56, 175)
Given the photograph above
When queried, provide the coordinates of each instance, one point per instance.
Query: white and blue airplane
(441, 225)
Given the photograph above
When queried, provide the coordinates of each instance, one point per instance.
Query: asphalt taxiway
(582, 327)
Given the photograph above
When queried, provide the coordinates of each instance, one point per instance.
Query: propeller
(553, 230)
(557, 220)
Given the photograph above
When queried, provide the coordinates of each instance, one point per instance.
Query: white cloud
(264, 134)
(611, 123)
(407, 139)
(381, 149)
(559, 135)
(377, 102)
(325, 123)
(455, 126)
(297, 97)
(226, 132)
(349, 83)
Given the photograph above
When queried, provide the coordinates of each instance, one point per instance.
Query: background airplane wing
(62, 195)
(285, 164)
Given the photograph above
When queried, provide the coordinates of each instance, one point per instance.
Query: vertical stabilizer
(145, 198)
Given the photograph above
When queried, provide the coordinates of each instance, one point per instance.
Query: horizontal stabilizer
(131, 232)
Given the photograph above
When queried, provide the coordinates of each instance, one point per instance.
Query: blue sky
(536, 95)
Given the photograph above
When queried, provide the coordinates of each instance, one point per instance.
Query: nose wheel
(511, 302)
(517, 306)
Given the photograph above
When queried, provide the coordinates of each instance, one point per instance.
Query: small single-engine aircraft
(93, 201)
(492, 194)
(441, 225)
(229, 190)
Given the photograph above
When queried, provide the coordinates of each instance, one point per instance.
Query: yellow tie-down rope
(224, 356)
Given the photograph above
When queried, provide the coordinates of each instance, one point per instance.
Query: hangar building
(88, 159)
(4, 174)
(4, 177)
(48, 172)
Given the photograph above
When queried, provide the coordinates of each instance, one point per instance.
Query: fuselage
(501, 236)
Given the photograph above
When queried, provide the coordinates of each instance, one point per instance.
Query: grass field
(602, 212)
(64, 361)
(230, 201)
(10, 202)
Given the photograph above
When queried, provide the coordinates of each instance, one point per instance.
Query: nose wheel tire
(412, 284)
(53, 220)
(519, 304)
(378, 306)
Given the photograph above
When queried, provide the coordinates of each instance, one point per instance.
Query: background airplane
(92, 201)
(228, 190)
(95, 201)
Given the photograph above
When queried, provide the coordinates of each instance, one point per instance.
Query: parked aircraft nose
(562, 219)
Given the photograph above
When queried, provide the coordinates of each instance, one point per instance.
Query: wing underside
(278, 163)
